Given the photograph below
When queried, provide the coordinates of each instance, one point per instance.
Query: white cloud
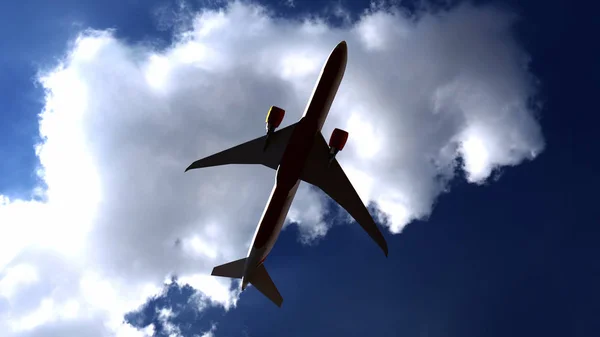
(122, 121)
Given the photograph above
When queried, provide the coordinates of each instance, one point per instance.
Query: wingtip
(385, 249)
(190, 167)
(383, 245)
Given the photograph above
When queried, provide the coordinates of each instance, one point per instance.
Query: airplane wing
(251, 152)
(333, 181)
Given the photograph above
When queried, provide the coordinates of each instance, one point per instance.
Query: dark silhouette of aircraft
(298, 152)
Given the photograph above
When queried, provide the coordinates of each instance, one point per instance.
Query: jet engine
(336, 142)
(273, 120)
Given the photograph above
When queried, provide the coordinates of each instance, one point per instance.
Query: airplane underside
(298, 152)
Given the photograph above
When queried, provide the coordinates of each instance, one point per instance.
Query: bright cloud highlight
(121, 122)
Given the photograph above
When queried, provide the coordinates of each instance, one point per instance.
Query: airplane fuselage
(294, 158)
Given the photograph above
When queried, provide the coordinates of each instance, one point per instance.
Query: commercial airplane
(297, 152)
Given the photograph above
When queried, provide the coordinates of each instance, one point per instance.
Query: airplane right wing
(251, 152)
(334, 182)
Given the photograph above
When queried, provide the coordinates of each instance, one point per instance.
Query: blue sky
(517, 255)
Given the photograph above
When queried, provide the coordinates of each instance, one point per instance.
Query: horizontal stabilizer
(262, 281)
(251, 152)
(233, 269)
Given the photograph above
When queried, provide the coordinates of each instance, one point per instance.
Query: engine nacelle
(337, 141)
(274, 118)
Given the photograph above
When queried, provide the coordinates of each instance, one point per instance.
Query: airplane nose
(340, 54)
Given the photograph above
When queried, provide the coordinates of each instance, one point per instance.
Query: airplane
(298, 152)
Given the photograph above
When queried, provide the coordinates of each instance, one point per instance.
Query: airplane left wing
(334, 182)
(251, 152)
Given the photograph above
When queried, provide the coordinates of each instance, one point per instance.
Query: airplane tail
(262, 281)
(234, 269)
(259, 278)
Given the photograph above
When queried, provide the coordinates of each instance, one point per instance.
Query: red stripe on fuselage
(299, 147)
(288, 174)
